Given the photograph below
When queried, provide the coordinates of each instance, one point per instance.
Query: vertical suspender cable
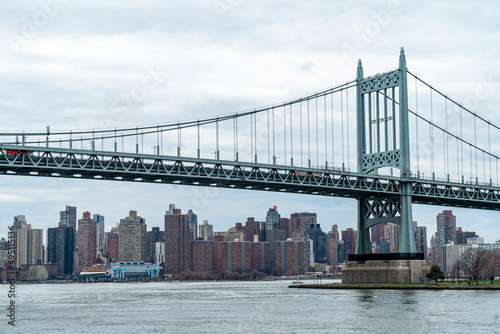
(342, 124)
(347, 116)
(445, 137)
(326, 138)
(217, 138)
(484, 167)
(234, 138)
(137, 140)
(274, 142)
(489, 149)
(432, 135)
(458, 158)
(308, 135)
(416, 123)
(300, 122)
(284, 133)
(475, 142)
(268, 139)
(461, 144)
(255, 136)
(333, 132)
(251, 137)
(471, 169)
(291, 135)
(198, 128)
(178, 140)
(237, 154)
(157, 139)
(317, 135)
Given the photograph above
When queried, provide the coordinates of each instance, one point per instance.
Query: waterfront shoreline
(395, 287)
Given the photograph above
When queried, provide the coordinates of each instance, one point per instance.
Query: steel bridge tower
(383, 142)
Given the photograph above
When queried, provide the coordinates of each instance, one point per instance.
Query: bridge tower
(383, 142)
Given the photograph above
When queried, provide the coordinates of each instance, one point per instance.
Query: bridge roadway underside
(85, 164)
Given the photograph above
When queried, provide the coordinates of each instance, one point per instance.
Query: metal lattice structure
(393, 152)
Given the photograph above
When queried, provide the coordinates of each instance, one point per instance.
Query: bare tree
(455, 271)
(473, 261)
(491, 267)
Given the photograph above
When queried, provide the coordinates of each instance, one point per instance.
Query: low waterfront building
(130, 269)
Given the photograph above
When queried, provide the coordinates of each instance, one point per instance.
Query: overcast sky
(68, 64)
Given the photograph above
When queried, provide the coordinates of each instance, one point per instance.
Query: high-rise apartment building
(341, 250)
(193, 225)
(20, 222)
(377, 232)
(112, 247)
(3, 244)
(172, 210)
(244, 256)
(306, 219)
(289, 258)
(159, 253)
(99, 219)
(177, 241)
(132, 238)
(68, 216)
(261, 259)
(349, 237)
(153, 237)
(29, 244)
(420, 233)
(332, 244)
(87, 242)
(446, 227)
(446, 224)
(391, 235)
(206, 231)
(319, 243)
(60, 246)
(462, 236)
(272, 218)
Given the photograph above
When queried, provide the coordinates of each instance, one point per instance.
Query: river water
(245, 307)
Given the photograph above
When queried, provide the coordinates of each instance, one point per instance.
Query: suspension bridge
(388, 140)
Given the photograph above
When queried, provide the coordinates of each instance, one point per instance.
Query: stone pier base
(384, 271)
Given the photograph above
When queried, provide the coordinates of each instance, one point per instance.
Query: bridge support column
(363, 244)
(406, 238)
(375, 96)
(406, 235)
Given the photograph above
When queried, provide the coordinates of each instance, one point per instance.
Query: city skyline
(431, 227)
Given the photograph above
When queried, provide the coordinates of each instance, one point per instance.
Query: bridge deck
(86, 164)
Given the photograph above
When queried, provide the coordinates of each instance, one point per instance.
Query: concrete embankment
(397, 286)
